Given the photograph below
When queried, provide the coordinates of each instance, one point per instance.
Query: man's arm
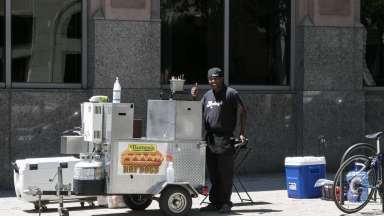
(243, 120)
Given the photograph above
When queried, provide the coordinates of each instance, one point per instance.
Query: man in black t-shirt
(220, 107)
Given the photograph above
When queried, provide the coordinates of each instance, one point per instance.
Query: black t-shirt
(220, 112)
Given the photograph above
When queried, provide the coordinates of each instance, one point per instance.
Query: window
(74, 26)
(372, 17)
(46, 41)
(192, 38)
(259, 42)
(193, 33)
(2, 42)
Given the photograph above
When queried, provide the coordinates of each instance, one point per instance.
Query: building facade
(309, 71)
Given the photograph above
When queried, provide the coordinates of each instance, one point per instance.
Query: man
(220, 107)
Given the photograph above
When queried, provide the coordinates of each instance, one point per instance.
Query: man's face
(216, 83)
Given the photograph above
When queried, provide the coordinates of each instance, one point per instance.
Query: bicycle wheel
(354, 184)
(358, 148)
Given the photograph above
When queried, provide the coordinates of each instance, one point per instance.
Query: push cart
(169, 161)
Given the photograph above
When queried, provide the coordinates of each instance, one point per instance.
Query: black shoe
(225, 209)
(209, 207)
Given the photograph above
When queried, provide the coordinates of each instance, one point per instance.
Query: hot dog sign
(144, 158)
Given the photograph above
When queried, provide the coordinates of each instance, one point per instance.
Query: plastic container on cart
(170, 172)
(89, 176)
(301, 175)
(176, 85)
(116, 97)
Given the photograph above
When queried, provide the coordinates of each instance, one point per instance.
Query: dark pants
(220, 168)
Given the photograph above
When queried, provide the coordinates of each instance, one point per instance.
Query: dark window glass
(20, 68)
(72, 63)
(74, 27)
(259, 42)
(192, 38)
(372, 17)
(2, 41)
(22, 29)
(43, 33)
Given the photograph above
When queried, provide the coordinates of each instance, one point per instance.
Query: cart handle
(237, 143)
(15, 167)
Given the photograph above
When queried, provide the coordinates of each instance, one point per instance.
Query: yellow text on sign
(142, 147)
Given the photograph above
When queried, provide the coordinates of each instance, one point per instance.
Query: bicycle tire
(358, 146)
(339, 197)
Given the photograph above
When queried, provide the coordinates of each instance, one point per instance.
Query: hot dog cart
(169, 161)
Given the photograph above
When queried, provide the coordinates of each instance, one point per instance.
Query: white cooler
(35, 173)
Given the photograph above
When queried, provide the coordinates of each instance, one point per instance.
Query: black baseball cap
(215, 72)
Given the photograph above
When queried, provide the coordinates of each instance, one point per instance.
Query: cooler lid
(306, 160)
(42, 163)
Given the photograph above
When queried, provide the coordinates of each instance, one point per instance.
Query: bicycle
(358, 179)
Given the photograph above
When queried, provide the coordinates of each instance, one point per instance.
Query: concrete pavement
(267, 191)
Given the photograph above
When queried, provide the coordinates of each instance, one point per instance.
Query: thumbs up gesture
(195, 91)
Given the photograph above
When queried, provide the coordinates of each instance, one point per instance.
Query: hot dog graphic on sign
(143, 158)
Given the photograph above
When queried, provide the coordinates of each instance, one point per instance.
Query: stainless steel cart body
(188, 162)
(173, 129)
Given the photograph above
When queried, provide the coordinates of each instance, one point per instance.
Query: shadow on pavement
(369, 213)
(152, 212)
(250, 204)
(255, 210)
(193, 212)
(54, 209)
(155, 212)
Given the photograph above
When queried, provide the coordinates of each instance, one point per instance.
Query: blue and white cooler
(302, 173)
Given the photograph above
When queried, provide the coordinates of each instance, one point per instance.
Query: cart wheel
(175, 201)
(137, 201)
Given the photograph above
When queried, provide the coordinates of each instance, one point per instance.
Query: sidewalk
(267, 191)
